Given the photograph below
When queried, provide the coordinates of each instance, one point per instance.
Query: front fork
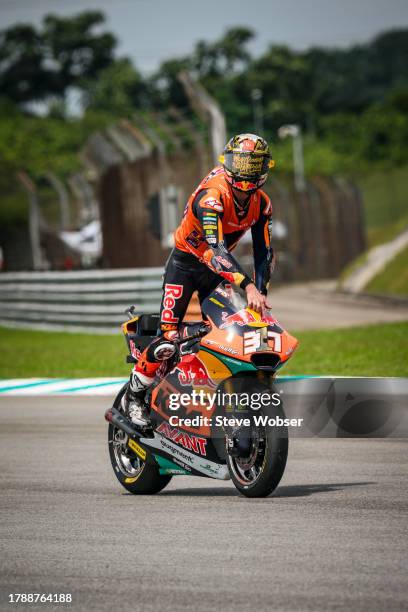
(238, 439)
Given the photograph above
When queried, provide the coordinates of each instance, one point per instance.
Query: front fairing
(244, 334)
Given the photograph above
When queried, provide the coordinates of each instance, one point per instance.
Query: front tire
(135, 475)
(260, 473)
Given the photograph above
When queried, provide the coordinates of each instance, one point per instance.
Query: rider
(226, 203)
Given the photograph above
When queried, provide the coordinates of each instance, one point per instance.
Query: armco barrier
(83, 301)
(86, 301)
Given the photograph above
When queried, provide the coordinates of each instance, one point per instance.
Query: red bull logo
(192, 372)
(242, 317)
(268, 318)
(245, 185)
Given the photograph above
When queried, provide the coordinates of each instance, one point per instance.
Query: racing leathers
(212, 224)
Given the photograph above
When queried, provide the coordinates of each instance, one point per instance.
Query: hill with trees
(352, 104)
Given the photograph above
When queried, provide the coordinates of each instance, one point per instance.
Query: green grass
(28, 354)
(385, 233)
(393, 280)
(384, 194)
(374, 350)
(385, 203)
(360, 351)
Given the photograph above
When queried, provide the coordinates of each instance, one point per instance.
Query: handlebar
(203, 331)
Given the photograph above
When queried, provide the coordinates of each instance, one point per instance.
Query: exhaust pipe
(112, 415)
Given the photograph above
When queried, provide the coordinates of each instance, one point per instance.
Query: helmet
(246, 160)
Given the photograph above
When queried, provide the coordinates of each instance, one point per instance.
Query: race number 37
(252, 341)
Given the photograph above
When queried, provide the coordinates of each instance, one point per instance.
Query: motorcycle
(200, 424)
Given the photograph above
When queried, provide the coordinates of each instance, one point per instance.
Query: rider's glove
(204, 328)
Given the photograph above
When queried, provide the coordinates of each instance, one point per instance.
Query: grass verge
(384, 194)
(359, 351)
(393, 280)
(373, 350)
(25, 354)
(386, 233)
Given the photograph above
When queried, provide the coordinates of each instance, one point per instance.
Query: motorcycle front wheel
(135, 475)
(259, 473)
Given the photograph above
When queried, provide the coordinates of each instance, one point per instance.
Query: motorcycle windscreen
(227, 306)
(224, 305)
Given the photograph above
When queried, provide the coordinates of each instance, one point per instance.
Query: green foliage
(37, 145)
(300, 87)
(378, 135)
(13, 208)
(117, 90)
(165, 87)
(384, 193)
(30, 142)
(384, 233)
(393, 280)
(226, 55)
(36, 64)
(374, 351)
(352, 104)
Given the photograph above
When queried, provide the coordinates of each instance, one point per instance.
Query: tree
(389, 59)
(23, 76)
(36, 64)
(165, 87)
(118, 89)
(227, 55)
(77, 51)
(214, 64)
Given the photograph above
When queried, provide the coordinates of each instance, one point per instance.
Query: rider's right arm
(208, 209)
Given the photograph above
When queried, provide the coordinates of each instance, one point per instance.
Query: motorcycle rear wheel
(135, 475)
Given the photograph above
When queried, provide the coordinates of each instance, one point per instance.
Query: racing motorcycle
(194, 430)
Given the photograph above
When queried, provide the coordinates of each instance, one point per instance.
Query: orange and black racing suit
(212, 225)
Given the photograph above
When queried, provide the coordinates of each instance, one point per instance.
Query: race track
(333, 536)
(317, 305)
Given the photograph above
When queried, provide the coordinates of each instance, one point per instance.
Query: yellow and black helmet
(246, 160)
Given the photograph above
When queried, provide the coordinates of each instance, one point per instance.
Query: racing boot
(160, 350)
(133, 403)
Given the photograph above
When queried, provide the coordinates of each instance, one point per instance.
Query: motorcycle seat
(147, 325)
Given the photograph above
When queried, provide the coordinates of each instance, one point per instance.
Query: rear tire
(270, 461)
(135, 475)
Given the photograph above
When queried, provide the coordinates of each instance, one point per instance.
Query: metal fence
(93, 301)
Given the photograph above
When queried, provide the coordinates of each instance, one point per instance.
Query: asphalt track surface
(316, 305)
(332, 537)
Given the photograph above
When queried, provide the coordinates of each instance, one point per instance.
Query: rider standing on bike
(224, 206)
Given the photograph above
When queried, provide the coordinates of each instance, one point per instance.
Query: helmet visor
(247, 165)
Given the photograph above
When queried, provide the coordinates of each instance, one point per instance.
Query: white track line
(65, 386)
